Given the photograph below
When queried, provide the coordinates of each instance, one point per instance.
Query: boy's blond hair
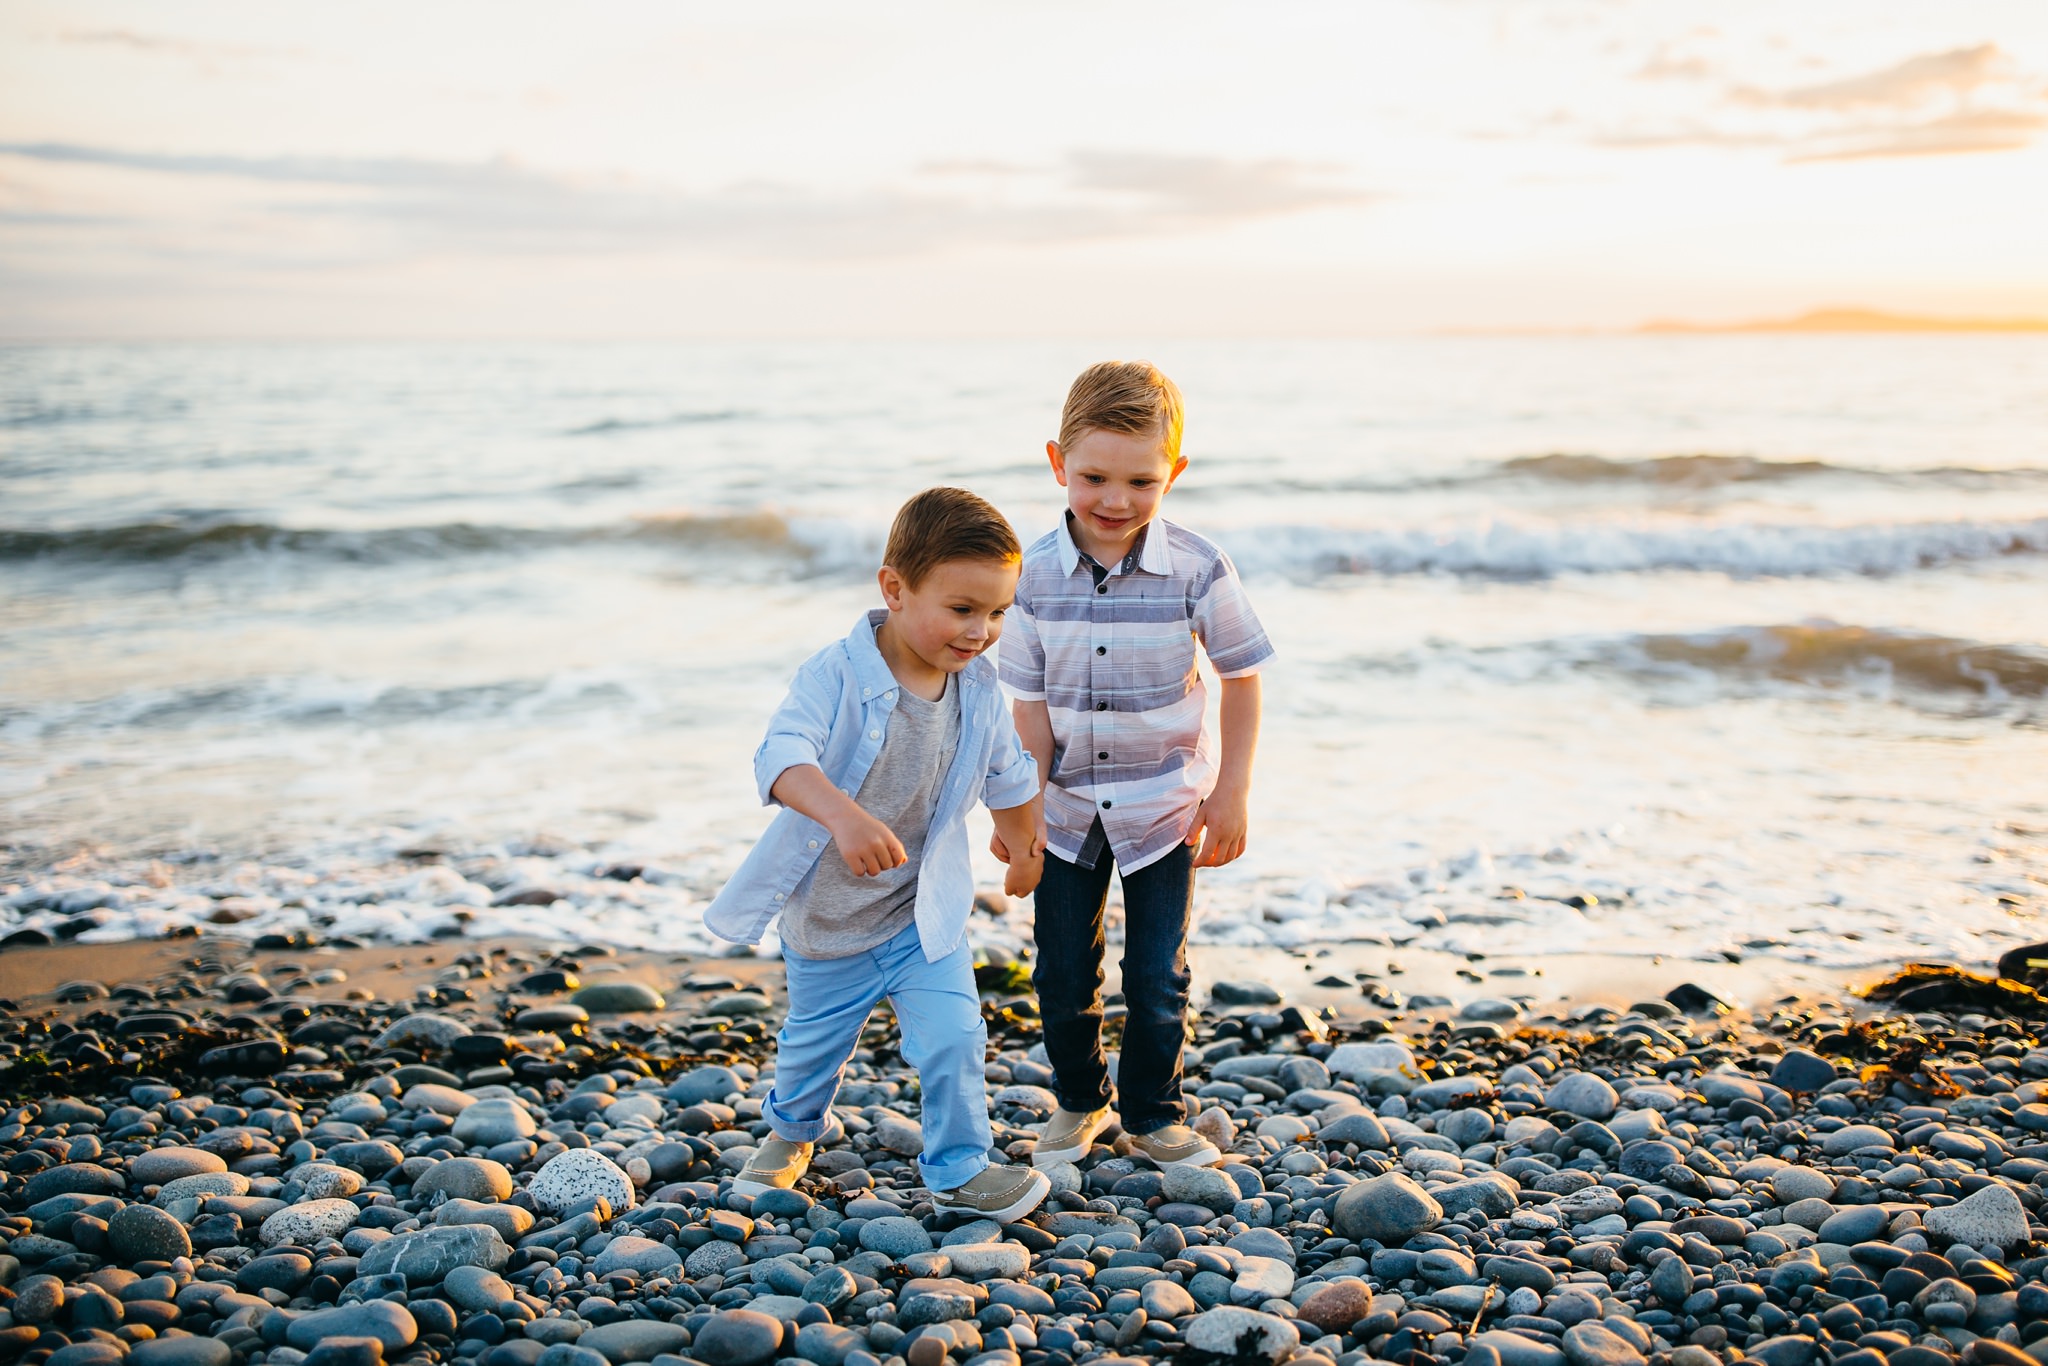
(947, 524)
(1129, 397)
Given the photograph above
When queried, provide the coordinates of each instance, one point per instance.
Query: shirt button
(1102, 649)
(778, 895)
(1102, 588)
(1105, 807)
(874, 735)
(1102, 754)
(1102, 706)
(814, 844)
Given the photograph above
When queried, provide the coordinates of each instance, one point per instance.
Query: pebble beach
(520, 1154)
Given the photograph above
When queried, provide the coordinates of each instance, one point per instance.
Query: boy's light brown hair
(1129, 397)
(947, 524)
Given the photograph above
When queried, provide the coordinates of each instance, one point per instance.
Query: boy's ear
(1059, 462)
(1180, 464)
(892, 588)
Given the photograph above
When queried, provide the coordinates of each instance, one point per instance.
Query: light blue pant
(944, 1038)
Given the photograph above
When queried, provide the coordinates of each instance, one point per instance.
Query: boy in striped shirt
(1100, 659)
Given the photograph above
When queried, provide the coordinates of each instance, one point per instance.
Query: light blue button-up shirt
(836, 716)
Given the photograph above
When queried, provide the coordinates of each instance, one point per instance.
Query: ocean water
(1692, 646)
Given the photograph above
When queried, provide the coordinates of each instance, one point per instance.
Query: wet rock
(144, 1233)
(391, 1324)
(425, 1257)
(1388, 1209)
(737, 1337)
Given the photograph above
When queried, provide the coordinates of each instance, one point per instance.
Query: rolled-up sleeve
(796, 733)
(1012, 772)
(1226, 624)
(1020, 655)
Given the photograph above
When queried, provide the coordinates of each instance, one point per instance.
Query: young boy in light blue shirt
(886, 740)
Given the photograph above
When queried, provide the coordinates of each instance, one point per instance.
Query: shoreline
(516, 1153)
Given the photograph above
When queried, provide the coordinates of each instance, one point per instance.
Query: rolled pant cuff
(953, 1175)
(793, 1130)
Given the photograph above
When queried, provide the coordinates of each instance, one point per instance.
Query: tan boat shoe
(1176, 1143)
(1067, 1135)
(998, 1193)
(775, 1165)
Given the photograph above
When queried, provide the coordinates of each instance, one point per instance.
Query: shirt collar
(1153, 555)
(873, 671)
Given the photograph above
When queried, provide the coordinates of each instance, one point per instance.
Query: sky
(663, 168)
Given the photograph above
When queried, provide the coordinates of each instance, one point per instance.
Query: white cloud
(503, 206)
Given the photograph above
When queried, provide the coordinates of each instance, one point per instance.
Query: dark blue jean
(1068, 976)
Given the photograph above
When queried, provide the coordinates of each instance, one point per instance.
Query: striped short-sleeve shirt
(1114, 662)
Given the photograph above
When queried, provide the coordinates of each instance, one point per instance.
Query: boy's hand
(1002, 850)
(868, 846)
(1022, 878)
(1222, 825)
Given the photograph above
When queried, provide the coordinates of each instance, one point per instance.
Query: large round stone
(426, 1256)
(161, 1165)
(634, 1340)
(644, 1255)
(488, 1123)
(476, 1288)
(466, 1178)
(1338, 1305)
(309, 1221)
(737, 1337)
(73, 1178)
(144, 1233)
(391, 1324)
(1388, 1209)
(422, 1030)
(1582, 1094)
(618, 998)
(896, 1237)
(182, 1351)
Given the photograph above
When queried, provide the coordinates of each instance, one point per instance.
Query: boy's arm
(1034, 729)
(1017, 830)
(867, 845)
(1223, 822)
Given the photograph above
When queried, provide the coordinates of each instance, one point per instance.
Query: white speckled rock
(308, 1222)
(1992, 1217)
(202, 1185)
(578, 1175)
(324, 1182)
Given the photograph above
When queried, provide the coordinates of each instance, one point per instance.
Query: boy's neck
(911, 673)
(1108, 556)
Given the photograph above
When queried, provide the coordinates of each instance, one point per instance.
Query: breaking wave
(1534, 550)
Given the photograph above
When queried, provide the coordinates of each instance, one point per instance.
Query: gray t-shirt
(835, 914)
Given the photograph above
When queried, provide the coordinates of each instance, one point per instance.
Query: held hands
(1022, 877)
(1025, 856)
(868, 846)
(1222, 825)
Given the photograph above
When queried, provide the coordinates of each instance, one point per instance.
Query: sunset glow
(641, 169)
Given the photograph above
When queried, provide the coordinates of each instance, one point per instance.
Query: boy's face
(955, 614)
(1115, 483)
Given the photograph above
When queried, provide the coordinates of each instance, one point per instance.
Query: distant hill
(1857, 320)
